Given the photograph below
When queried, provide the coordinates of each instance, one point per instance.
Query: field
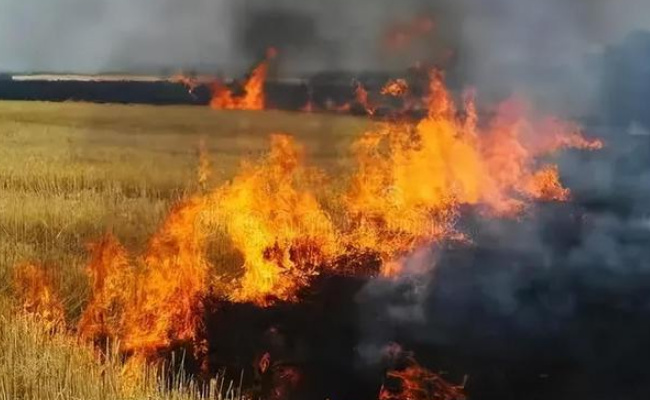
(70, 172)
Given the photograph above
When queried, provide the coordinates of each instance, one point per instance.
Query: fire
(410, 182)
(544, 184)
(411, 179)
(112, 281)
(418, 383)
(395, 88)
(166, 306)
(203, 170)
(253, 97)
(361, 95)
(159, 303)
(277, 224)
(34, 289)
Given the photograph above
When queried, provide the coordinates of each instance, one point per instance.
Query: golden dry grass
(69, 172)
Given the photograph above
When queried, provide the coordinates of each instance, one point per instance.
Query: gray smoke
(490, 36)
(561, 293)
(90, 36)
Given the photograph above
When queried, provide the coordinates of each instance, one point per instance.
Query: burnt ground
(520, 321)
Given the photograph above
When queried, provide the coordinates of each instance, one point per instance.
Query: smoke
(560, 294)
(490, 36)
(90, 36)
(548, 51)
(553, 305)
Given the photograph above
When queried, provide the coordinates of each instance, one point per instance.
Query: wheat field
(70, 172)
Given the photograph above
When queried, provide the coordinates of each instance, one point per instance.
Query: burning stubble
(406, 192)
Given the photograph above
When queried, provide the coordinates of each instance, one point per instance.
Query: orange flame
(395, 88)
(418, 383)
(158, 304)
(411, 179)
(39, 300)
(253, 98)
(362, 98)
(278, 225)
(168, 299)
(410, 182)
(111, 280)
(203, 170)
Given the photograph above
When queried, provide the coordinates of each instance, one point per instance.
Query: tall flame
(361, 95)
(253, 97)
(159, 303)
(277, 224)
(168, 300)
(411, 179)
(112, 282)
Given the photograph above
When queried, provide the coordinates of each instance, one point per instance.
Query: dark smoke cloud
(556, 305)
(563, 294)
(101, 35)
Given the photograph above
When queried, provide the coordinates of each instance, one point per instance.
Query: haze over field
(87, 36)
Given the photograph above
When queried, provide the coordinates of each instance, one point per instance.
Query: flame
(395, 88)
(418, 383)
(253, 98)
(545, 184)
(167, 303)
(34, 289)
(361, 95)
(278, 226)
(203, 170)
(159, 303)
(410, 181)
(112, 283)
